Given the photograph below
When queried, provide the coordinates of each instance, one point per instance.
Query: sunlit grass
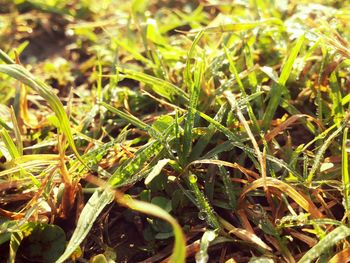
(219, 129)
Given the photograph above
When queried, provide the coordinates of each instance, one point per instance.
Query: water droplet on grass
(202, 257)
(193, 179)
(202, 215)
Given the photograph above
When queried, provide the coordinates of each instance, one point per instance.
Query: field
(174, 131)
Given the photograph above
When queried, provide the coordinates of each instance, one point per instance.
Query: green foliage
(224, 120)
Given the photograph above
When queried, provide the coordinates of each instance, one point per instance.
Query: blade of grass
(276, 90)
(132, 51)
(205, 209)
(159, 86)
(242, 89)
(18, 136)
(325, 243)
(179, 250)
(345, 171)
(302, 201)
(232, 100)
(188, 75)
(156, 170)
(229, 190)
(205, 139)
(189, 124)
(236, 27)
(131, 166)
(335, 94)
(4, 125)
(244, 234)
(10, 145)
(4, 57)
(20, 73)
(127, 116)
(323, 149)
(27, 166)
(100, 199)
(88, 215)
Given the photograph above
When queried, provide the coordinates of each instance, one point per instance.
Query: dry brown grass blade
(243, 234)
(300, 199)
(286, 254)
(260, 155)
(248, 173)
(318, 195)
(343, 256)
(284, 125)
(191, 250)
(244, 221)
(11, 215)
(304, 238)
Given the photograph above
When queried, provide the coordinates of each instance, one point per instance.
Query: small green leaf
(162, 202)
(44, 244)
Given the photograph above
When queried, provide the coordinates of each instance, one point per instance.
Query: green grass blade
(287, 67)
(20, 73)
(323, 149)
(4, 57)
(232, 100)
(156, 170)
(15, 241)
(335, 94)
(242, 89)
(205, 139)
(205, 209)
(188, 75)
(345, 170)
(179, 250)
(127, 116)
(87, 217)
(229, 190)
(159, 86)
(18, 136)
(134, 165)
(189, 124)
(236, 27)
(96, 204)
(327, 242)
(4, 125)
(276, 90)
(133, 52)
(10, 145)
(248, 54)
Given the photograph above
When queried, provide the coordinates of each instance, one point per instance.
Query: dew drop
(211, 235)
(202, 257)
(202, 215)
(193, 179)
(257, 209)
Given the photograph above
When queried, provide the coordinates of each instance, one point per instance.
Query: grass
(143, 131)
